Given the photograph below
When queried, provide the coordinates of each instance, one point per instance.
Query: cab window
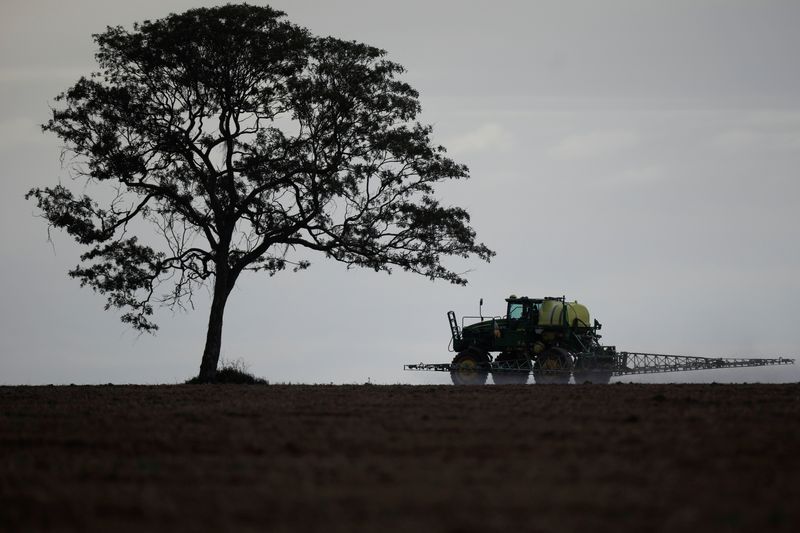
(515, 311)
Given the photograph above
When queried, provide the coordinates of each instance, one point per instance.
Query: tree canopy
(245, 142)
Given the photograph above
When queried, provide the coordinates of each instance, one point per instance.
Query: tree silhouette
(244, 139)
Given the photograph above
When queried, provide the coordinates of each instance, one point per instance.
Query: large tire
(470, 367)
(510, 377)
(553, 366)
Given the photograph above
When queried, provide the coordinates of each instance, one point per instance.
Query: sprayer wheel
(468, 370)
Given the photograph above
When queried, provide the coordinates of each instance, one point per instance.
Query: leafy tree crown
(243, 140)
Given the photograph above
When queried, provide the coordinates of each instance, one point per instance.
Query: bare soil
(400, 458)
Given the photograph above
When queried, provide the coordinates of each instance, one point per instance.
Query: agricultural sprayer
(553, 339)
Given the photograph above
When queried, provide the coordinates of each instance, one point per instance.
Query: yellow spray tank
(558, 313)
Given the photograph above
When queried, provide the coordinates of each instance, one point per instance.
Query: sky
(639, 156)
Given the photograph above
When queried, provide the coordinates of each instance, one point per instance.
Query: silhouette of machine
(554, 340)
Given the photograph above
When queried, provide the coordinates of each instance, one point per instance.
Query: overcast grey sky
(639, 156)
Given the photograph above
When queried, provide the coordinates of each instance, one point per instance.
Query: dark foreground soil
(327, 459)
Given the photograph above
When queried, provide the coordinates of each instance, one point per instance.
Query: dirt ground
(400, 458)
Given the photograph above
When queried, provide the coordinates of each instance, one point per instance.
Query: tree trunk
(208, 366)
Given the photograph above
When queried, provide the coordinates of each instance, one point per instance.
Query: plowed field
(330, 459)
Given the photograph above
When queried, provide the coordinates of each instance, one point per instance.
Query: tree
(243, 140)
